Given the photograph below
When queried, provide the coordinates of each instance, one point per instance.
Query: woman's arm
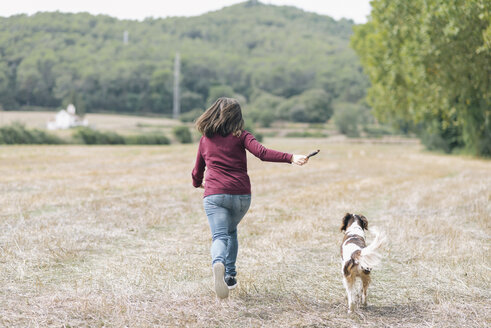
(199, 169)
(270, 155)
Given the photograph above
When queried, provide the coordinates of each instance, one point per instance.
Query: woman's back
(226, 162)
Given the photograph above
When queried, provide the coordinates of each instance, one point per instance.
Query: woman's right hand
(299, 159)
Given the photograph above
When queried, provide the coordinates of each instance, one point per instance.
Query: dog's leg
(365, 278)
(359, 292)
(348, 284)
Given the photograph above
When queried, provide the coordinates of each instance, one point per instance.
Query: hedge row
(18, 134)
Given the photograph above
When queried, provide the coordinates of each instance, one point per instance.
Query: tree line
(280, 62)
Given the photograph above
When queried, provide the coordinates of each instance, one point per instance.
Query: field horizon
(101, 236)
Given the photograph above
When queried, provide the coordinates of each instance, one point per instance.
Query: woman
(227, 193)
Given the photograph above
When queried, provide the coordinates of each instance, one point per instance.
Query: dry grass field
(117, 237)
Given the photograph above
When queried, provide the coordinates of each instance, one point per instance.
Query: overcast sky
(354, 9)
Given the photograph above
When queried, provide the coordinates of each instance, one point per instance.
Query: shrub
(318, 104)
(306, 134)
(93, 137)
(299, 113)
(248, 126)
(266, 118)
(191, 100)
(262, 116)
(347, 120)
(90, 136)
(312, 106)
(377, 131)
(147, 139)
(484, 144)
(182, 134)
(192, 115)
(219, 91)
(263, 108)
(436, 136)
(17, 133)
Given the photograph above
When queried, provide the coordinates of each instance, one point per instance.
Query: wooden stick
(313, 153)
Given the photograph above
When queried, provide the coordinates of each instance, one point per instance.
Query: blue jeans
(224, 213)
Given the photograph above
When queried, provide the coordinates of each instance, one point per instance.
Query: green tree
(312, 106)
(218, 92)
(191, 100)
(161, 90)
(182, 134)
(263, 108)
(429, 62)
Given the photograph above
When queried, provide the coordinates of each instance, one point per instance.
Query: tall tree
(429, 62)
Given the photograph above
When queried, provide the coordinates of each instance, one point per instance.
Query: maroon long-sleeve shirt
(226, 163)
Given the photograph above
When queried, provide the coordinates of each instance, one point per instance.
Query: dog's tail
(369, 257)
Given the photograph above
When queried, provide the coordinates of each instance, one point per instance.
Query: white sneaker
(221, 287)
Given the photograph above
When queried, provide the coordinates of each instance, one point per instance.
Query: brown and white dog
(358, 259)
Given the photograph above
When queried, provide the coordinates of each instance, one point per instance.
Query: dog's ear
(346, 218)
(364, 222)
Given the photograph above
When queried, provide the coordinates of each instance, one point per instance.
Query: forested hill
(249, 50)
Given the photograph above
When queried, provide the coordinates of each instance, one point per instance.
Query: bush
(191, 100)
(437, 136)
(264, 117)
(89, 136)
(93, 137)
(318, 104)
(17, 133)
(248, 126)
(299, 113)
(306, 134)
(192, 115)
(147, 139)
(183, 134)
(219, 91)
(263, 108)
(312, 106)
(377, 131)
(347, 119)
(484, 144)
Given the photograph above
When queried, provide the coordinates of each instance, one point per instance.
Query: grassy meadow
(100, 236)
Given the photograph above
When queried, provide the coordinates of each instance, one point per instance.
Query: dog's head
(349, 219)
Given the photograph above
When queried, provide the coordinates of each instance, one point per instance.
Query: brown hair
(223, 117)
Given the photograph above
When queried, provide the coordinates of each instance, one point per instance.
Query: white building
(66, 119)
